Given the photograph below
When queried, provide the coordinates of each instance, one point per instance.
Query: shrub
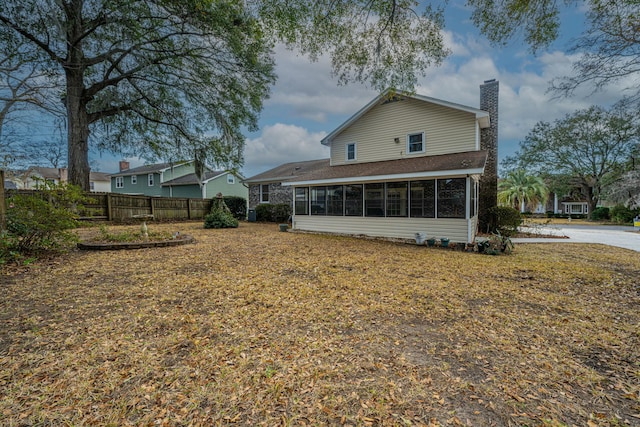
(41, 221)
(237, 205)
(600, 214)
(220, 219)
(263, 212)
(622, 214)
(273, 213)
(496, 244)
(281, 212)
(220, 215)
(504, 220)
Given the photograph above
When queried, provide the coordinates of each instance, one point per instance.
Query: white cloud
(306, 90)
(282, 143)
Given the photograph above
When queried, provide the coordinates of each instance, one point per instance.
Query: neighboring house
(403, 164)
(569, 205)
(99, 182)
(35, 175)
(10, 185)
(175, 180)
(33, 178)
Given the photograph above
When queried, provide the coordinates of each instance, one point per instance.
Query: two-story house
(403, 164)
(175, 180)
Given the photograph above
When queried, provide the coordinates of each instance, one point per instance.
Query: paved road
(623, 237)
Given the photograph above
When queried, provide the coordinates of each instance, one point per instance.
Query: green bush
(237, 205)
(41, 221)
(622, 214)
(220, 219)
(504, 220)
(600, 214)
(279, 212)
(220, 215)
(263, 213)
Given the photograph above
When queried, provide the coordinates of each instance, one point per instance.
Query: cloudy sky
(306, 103)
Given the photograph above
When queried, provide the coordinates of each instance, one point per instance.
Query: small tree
(220, 215)
(521, 190)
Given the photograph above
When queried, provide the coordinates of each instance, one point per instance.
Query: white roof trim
(482, 116)
(398, 177)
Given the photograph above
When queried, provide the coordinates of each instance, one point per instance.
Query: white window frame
(262, 194)
(134, 179)
(150, 180)
(346, 152)
(119, 181)
(231, 179)
(424, 142)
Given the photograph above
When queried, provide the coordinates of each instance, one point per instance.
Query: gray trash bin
(252, 215)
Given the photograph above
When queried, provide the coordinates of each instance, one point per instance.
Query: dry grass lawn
(251, 326)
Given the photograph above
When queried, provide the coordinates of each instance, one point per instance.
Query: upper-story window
(264, 193)
(119, 182)
(134, 179)
(351, 151)
(415, 143)
(150, 179)
(231, 179)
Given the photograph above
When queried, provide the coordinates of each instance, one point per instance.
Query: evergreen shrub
(504, 220)
(237, 205)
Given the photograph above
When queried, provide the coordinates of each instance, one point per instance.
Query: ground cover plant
(251, 326)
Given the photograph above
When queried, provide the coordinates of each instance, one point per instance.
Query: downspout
(293, 209)
(468, 206)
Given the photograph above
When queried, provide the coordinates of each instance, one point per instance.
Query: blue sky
(306, 103)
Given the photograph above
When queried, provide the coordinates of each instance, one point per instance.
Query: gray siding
(447, 130)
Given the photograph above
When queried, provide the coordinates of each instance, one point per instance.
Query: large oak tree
(586, 149)
(184, 77)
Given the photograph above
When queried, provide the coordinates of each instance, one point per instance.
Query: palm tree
(520, 190)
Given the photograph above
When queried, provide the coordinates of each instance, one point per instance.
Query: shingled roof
(289, 171)
(191, 178)
(471, 162)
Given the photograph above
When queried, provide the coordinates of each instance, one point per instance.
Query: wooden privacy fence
(120, 207)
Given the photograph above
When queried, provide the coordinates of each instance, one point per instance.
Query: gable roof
(191, 178)
(47, 173)
(467, 163)
(289, 171)
(155, 168)
(98, 176)
(481, 116)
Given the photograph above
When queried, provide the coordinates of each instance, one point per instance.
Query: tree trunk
(76, 103)
(78, 137)
(592, 201)
(3, 221)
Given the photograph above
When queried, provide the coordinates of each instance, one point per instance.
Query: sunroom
(440, 202)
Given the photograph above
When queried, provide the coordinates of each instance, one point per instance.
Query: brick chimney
(63, 175)
(124, 165)
(488, 196)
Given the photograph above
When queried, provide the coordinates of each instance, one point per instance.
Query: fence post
(153, 206)
(189, 208)
(109, 207)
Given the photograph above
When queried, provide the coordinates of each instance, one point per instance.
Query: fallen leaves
(250, 326)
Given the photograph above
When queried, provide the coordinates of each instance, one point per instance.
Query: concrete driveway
(621, 236)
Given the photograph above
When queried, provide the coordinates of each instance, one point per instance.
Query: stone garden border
(114, 246)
